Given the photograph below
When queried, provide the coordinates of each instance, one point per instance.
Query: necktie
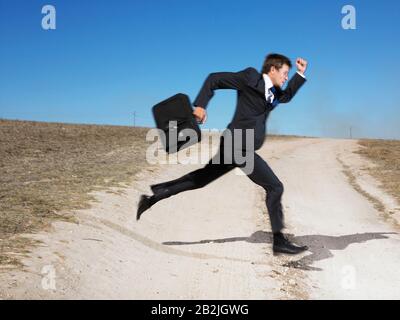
(273, 91)
(275, 101)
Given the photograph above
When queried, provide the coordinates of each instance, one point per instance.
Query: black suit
(252, 111)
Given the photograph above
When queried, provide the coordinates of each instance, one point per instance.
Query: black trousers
(261, 174)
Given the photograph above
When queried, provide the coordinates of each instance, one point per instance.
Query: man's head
(277, 67)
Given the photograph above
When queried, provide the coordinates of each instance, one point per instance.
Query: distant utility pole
(134, 118)
(351, 135)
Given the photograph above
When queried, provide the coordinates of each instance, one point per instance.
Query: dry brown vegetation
(48, 168)
(386, 154)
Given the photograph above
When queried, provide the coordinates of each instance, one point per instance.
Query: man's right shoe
(283, 245)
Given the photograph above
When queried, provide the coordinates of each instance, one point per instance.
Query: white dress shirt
(269, 96)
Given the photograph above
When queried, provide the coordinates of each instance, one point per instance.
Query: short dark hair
(276, 60)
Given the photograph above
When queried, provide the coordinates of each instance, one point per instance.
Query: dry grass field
(386, 154)
(46, 168)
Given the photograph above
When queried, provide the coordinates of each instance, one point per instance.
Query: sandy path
(214, 243)
(354, 248)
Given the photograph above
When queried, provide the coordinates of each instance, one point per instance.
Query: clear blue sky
(107, 59)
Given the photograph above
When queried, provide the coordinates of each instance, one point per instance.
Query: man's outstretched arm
(215, 81)
(295, 82)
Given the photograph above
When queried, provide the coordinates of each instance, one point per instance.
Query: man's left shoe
(283, 245)
(144, 204)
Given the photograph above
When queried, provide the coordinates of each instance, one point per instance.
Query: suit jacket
(252, 108)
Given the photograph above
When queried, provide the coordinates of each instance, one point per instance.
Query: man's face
(279, 76)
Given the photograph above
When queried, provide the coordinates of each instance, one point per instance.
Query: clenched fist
(200, 114)
(301, 65)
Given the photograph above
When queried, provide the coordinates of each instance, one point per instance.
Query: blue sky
(107, 59)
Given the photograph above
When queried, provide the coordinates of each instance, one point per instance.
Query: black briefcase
(178, 126)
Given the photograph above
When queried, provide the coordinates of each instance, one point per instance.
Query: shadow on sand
(320, 246)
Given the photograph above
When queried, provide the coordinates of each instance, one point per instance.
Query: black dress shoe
(283, 245)
(145, 202)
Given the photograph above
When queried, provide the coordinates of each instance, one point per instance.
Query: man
(258, 95)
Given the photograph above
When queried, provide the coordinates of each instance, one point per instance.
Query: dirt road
(214, 243)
